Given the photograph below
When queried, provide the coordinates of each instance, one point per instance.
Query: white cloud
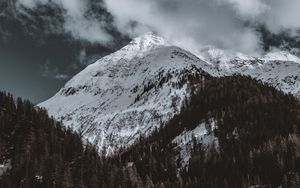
(194, 22)
(248, 8)
(277, 15)
(61, 76)
(283, 15)
(47, 71)
(31, 3)
(75, 20)
(206, 22)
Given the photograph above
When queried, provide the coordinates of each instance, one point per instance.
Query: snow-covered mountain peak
(277, 68)
(131, 92)
(126, 94)
(139, 45)
(147, 41)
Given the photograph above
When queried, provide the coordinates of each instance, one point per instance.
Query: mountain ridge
(139, 88)
(126, 94)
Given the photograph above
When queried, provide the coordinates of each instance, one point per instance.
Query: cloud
(47, 71)
(61, 77)
(31, 3)
(277, 15)
(228, 24)
(282, 15)
(247, 8)
(196, 22)
(76, 21)
(221, 23)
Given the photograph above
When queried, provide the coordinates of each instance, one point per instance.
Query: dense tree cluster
(258, 138)
(45, 154)
(257, 132)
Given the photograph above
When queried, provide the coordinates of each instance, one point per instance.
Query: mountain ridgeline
(257, 133)
(142, 86)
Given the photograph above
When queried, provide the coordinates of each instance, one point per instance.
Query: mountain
(137, 89)
(279, 69)
(252, 131)
(128, 93)
(215, 125)
(133, 91)
(230, 124)
(234, 132)
(37, 151)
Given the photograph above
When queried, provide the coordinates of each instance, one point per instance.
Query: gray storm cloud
(193, 23)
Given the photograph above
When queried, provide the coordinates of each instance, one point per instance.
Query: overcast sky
(43, 43)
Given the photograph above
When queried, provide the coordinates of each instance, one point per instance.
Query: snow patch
(203, 133)
(5, 166)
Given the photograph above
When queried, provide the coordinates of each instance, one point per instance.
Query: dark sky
(37, 56)
(43, 43)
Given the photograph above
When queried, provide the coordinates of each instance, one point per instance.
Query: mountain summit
(165, 118)
(128, 93)
(136, 90)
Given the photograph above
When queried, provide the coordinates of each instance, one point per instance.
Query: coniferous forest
(258, 144)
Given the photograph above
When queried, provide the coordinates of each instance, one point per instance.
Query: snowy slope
(126, 94)
(130, 92)
(279, 69)
(203, 133)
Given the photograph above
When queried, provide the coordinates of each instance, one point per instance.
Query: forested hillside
(258, 135)
(257, 132)
(44, 154)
